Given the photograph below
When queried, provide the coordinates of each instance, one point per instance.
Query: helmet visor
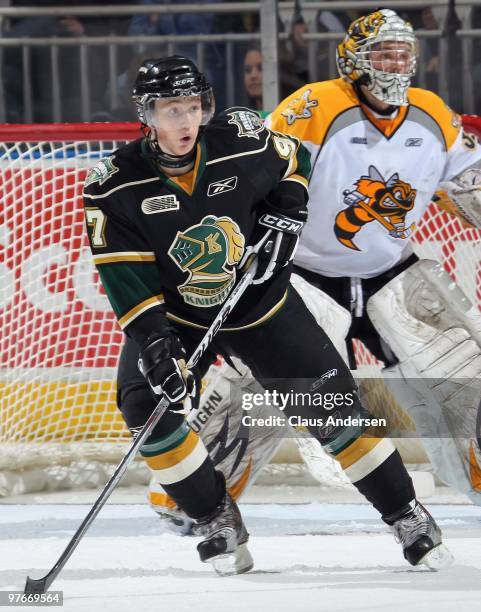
(171, 114)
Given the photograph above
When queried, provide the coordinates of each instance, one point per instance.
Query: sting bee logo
(375, 199)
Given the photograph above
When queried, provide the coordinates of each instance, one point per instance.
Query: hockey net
(59, 341)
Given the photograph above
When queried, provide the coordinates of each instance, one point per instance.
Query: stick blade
(33, 586)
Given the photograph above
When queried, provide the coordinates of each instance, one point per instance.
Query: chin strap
(165, 160)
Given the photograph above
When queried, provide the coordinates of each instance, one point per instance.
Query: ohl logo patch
(208, 252)
(375, 199)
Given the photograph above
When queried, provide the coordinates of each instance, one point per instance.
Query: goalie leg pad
(435, 332)
(333, 318)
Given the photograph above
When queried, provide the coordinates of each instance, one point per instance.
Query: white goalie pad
(335, 321)
(218, 418)
(333, 318)
(435, 332)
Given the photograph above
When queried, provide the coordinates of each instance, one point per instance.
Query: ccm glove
(277, 250)
(162, 362)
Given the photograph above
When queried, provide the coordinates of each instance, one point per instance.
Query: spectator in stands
(253, 77)
(328, 21)
(476, 54)
(424, 19)
(69, 62)
(298, 44)
(252, 68)
(125, 109)
(168, 24)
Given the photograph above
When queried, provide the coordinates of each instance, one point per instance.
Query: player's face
(392, 56)
(253, 74)
(177, 122)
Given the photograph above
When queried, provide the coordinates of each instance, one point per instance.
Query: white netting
(59, 341)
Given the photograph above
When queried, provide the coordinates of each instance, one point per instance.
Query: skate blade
(438, 558)
(237, 562)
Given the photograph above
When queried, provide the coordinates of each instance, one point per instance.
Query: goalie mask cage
(59, 341)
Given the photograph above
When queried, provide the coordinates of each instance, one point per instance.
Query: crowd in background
(293, 56)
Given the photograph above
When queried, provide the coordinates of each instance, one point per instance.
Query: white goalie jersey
(372, 176)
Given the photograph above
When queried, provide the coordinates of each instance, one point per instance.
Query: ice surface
(308, 557)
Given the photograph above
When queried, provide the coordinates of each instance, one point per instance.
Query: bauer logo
(159, 204)
(228, 184)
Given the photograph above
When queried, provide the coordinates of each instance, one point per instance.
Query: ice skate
(416, 530)
(225, 543)
(176, 521)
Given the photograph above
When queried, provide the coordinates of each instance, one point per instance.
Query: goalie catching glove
(464, 191)
(276, 249)
(162, 362)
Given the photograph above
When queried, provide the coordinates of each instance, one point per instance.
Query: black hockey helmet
(170, 77)
(166, 79)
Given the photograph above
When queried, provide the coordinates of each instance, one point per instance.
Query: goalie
(380, 149)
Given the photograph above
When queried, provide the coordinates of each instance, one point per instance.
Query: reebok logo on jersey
(413, 142)
(222, 186)
(359, 140)
(158, 204)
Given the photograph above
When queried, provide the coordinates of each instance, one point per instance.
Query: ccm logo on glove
(281, 223)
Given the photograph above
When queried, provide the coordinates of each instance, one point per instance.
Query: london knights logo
(208, 252)
(102, 171)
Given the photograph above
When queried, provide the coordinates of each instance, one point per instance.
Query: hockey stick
(41, 585)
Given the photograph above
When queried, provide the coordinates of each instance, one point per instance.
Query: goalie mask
(380, 51)
(173, 100)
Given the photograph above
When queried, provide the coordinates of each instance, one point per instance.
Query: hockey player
(171, 219)
(380, 149)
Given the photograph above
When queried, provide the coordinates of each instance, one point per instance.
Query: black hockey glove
(162, 362)
(278, 249)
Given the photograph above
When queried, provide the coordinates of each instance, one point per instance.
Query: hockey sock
(181, 464)
(376, 469)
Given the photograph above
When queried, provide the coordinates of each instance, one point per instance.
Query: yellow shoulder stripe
(309, 111)
(447, 120)
(123, 256)
(136, 311)
(298, 178)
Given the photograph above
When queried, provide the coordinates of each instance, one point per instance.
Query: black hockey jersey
(169, 246)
